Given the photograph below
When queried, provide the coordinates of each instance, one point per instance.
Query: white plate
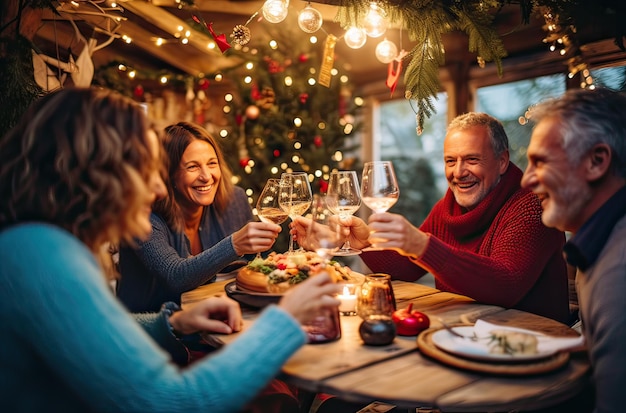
(479, 350)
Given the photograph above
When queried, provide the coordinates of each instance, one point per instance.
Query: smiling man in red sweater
(484, 238)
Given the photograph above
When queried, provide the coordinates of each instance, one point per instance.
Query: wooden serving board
(428, 348)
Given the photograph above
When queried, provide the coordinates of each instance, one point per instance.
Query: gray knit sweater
(162, 268)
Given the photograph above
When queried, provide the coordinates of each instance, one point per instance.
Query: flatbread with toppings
(279, 272)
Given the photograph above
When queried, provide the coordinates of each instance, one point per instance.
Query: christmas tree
(282, 118)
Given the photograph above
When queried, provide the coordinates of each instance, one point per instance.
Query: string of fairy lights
(561, 38)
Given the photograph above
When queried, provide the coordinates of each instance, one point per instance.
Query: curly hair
(497, 135)
(176, 140)
(76, 160)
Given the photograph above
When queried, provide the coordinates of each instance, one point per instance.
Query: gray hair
(588, 117)
(497, 135)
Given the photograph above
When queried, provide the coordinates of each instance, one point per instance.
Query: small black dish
(250, 298)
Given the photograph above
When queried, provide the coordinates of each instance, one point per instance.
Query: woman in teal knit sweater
(80, 170)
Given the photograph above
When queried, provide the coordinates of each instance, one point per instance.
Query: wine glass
(322, 232)
(295, 196)
(379, 186)
(267, 206)
(343, 198)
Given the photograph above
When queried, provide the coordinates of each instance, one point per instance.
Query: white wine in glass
(379, 186)
(343, 198)
(267, 206)
(295, 196)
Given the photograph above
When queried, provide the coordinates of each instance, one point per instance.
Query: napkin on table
(545, 343)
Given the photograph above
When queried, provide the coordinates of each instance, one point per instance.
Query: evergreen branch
(422, 81)
(483, 39)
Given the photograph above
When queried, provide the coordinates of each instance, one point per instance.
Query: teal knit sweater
(68, 345)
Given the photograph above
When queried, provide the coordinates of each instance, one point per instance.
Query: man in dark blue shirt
(577, 167)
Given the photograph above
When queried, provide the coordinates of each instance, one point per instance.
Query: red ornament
(138, 92)
(254, 93)
(243, 162)
(238, 119)
(273, 66)
(276, 153)
(203, 84)
(303, 58)
(323, 186)
(317, 141)
(410, 322)
(304, 97)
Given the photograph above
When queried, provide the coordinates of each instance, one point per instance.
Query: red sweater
(498, 253)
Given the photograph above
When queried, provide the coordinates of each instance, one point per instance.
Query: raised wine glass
(322, 233)
(379, 186)
(267, 206)
(343, 198)
(295, 196)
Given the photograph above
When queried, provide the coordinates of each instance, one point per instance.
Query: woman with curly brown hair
(78, 171)
(200, 228)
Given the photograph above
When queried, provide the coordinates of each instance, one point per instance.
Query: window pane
(509, 101)
(417, 160)
(610, 77)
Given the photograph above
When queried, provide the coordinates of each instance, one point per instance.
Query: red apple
(410, 323)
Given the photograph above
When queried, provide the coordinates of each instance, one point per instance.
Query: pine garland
(426, 21)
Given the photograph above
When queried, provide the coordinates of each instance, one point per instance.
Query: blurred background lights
(386, 51)
(355, 37)
(309, 19)
(275, 11)
(375, 22)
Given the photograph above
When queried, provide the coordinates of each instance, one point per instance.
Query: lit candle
(348, 300)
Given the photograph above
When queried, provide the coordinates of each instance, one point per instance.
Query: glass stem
(290, 240)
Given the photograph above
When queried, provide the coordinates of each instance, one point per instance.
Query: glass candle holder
(348, 299)
(375, 305)
(375, 297)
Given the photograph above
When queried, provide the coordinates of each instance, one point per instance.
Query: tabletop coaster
(428, 348)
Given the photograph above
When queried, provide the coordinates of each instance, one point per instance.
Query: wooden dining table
(410, 376)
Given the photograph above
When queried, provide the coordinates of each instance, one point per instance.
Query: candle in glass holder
(348, 300)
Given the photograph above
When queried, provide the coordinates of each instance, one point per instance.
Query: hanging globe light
(386, 51)
(275, 11)
(375, 22)
(355, 37)
(310, 19)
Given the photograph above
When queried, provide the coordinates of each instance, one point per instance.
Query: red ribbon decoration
(393, 74)
(221, 41)
(393, 71)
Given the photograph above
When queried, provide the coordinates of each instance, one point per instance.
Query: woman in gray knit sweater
(201, 227)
